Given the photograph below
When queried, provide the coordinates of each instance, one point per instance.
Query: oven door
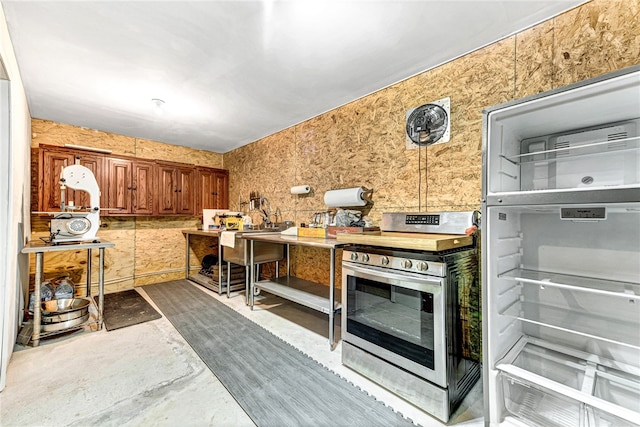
(398, 317)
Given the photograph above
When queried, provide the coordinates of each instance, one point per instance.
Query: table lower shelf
(26, 332)
(237, 283)
(300, 291)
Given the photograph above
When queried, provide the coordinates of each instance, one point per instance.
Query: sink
(262, 251)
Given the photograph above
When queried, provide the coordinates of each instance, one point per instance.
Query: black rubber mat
(275, 384)
(126, 308)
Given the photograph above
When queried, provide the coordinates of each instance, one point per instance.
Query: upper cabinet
(131, 186)
(213, 185)
(51, 163)
(176, 189)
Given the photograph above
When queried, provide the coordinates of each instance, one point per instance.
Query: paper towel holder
(301, 189)
(356, 197)
(366, 195)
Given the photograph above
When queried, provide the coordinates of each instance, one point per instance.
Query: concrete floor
(148, 375)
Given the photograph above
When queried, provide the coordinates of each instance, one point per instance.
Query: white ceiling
(232, 72)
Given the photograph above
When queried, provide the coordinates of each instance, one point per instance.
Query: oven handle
(409, 281)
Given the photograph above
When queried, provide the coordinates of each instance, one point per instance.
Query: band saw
(76, 223)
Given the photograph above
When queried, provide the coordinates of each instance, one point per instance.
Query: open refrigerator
(561, 256)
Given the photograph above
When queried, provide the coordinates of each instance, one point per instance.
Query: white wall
(15, 143)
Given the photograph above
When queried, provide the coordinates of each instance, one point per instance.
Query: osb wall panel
(147, 149)
(534, 60)
(268, 168)
(599, 37)
(160, 249)
(51, 133)
(363, 143)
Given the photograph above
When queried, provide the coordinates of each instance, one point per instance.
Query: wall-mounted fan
(428, 124)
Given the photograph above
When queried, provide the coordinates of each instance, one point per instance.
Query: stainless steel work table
(39, 248)
(298, 290)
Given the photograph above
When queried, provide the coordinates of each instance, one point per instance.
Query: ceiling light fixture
(158, 105)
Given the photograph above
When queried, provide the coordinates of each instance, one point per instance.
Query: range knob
(354, 256)
(365, 257)
(422, 266)
(384, 260)
(405, 263)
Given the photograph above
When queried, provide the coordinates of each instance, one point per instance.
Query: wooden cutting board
(418, 241)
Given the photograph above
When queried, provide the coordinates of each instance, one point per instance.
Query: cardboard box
(320, 233)
(333, 230)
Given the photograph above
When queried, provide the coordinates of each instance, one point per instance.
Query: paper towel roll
(300, 189)
(345, 197)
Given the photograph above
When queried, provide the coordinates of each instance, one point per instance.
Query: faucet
(265, 212)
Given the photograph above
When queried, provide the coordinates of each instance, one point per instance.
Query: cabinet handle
(215, 194)
(129, 188)
(179, 191)
(134, 188)
(175, 191)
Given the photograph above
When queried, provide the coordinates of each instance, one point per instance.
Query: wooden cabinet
(130, 187)
(212, 185)
(51, 163)
(176, 189)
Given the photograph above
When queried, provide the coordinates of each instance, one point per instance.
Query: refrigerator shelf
(609, 288)
(599, 148)
(545, 381)
(577, 322)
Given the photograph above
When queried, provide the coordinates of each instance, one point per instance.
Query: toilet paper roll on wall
(345, 197)
(300, 189)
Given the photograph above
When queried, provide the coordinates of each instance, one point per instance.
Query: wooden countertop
(418, 241)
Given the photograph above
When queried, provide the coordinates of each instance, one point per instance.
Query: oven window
(397, 319)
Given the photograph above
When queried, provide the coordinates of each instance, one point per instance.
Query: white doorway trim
(8, 324)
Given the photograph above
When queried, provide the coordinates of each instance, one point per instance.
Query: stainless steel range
(411, 317)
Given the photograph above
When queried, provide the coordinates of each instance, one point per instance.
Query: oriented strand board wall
(363, 142)
(148, 249)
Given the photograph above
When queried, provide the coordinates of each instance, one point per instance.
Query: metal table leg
(37, 297)
(88, 273)
(187, 257)
(250, 297)
(100, 288)
(332, 287)
(220, 267)
(228, 278)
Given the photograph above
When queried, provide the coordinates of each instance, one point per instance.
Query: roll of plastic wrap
(300, 189)
(345, 197)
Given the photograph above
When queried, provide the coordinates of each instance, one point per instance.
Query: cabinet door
(52, 160)
(119, 186)
(166, 189)
(206, 189)
(186, 194)
(51, 164)
(222, 190)
(143, 189)
(94, 163)
(212, 189)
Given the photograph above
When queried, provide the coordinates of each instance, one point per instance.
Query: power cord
(426, 178)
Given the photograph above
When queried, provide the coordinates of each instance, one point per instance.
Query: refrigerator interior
(561, 264)
(564, 313)
(581, 140)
